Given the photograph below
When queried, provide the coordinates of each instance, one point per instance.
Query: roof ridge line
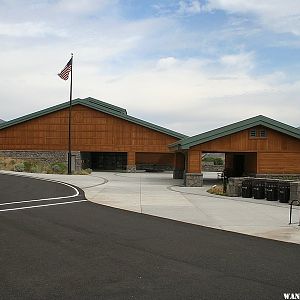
(106, 108)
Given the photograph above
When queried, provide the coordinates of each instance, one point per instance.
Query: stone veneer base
(131, 168)
(43, 156)
(193, 179)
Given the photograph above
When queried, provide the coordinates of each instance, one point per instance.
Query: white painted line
(44, 199)
(43, 205)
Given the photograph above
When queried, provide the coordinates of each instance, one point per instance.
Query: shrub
(88, 170)
(216, 190)
(34, 169)
(83, 172)
(59, 168)
(29, 166)
(19, 167)
(216, 160)
(2, 163)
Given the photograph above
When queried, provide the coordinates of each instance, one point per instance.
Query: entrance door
(238, 165)
(109, 160)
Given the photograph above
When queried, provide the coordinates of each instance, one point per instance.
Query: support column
(179, 165)
(131, 166)
(193, 176)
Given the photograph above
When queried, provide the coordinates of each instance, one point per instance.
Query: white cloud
(166, 62)
(242, 61)
(82, 6)
(190, 99)
(189, 7)
(29, 29)
(136, 64)
(187, 95)
(278, 15)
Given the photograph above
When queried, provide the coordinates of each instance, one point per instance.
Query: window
(263, 133)
(258, 133)
(252, 133)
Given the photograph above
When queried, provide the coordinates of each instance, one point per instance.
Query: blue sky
(188, 65)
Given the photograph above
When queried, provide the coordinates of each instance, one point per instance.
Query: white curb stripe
(43, 205)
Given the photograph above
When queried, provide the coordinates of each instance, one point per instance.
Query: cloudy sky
(189, 65)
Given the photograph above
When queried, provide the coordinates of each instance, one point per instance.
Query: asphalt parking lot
(20, 192)
(83, 250)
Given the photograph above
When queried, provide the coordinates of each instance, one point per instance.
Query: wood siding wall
(279, 163)
(277, 153)
(91, 131)
(194, 161)
(242, 142)
(163, 159)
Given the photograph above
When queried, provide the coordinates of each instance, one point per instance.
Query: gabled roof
(188, 142)
(96, 105)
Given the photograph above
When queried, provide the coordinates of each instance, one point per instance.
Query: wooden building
(256, 146)
(103, 137)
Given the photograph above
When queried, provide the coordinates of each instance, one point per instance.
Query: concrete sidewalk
(159, 195)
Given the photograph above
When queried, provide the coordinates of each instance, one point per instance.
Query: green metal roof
(188, 142)
(96, 105)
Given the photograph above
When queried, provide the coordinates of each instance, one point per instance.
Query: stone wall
(234, 186)
(295, 177)
(295, 191)
(193, 179)
(212, 168)
(131, 168)
(43, 156)
(78, 161)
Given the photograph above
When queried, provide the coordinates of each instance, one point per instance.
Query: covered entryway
(241, 164)
(258, 146)
(107, 161)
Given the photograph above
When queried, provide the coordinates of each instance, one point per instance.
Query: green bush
(208, 159)
(59, 168)
(88, 170)
(2, 163)
(30, 166)
(218, 161)
(19, 167)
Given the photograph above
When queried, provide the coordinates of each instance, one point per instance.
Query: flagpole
(70, 115)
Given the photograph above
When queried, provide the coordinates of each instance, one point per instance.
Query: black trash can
(247, 188)
(258, 188)
(272, 189)
(284, 191)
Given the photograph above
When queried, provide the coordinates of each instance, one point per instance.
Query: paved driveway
(18, 192)
(158, 194)
(88, 251)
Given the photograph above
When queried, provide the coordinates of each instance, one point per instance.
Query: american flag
(64, 74)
